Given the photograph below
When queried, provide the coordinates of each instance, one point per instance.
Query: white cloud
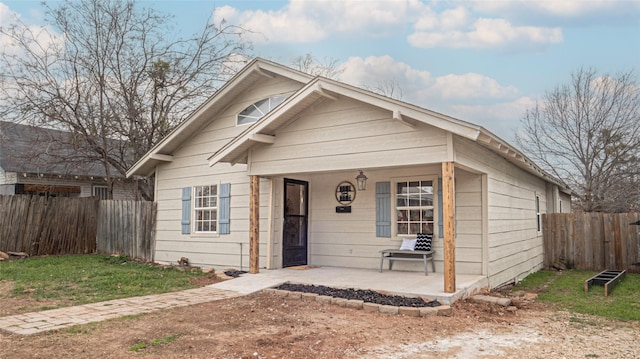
(367, 71)
(471, 86)
(419, 86)
(447, 20)
(471, 97)
(309, 21)
(487, 33)
(274, 26)
(519, 25)
(303, 21)
(41, 38)
(7, 17)
(501, 118)
(564, 8)
(588, 13)
(4, 13)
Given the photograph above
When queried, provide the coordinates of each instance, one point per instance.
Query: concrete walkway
(37, 322)
(396, 282)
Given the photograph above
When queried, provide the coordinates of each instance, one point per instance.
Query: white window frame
(101, 188)
(432, 207)
(538, 214)
(202, 206)
(272, 102)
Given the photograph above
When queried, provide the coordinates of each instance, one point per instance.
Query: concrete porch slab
(393, 282)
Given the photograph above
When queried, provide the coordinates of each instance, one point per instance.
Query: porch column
(254, 225)
(448, 221)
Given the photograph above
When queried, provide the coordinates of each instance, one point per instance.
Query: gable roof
(243, 80)
(316, 89)
(38, 150)
(320, 88)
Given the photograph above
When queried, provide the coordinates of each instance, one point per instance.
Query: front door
(294, 231)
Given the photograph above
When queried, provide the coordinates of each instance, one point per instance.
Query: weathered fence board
(39, 225)
(127, 227)
(50, 226)
(592, 241)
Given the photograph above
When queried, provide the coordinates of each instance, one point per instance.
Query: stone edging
(443, 310)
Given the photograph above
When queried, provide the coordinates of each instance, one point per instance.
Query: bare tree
(389, 88)
(310, 64)
(111, 73)
(587, 133)
(330, 68)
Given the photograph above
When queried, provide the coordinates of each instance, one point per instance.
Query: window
(538, 215)
(414, 207)
(257, 110)
(560, 207)
(101, 192)
(206, 208)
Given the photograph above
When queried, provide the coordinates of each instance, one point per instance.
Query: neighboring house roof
(30, 149)
(316, 88)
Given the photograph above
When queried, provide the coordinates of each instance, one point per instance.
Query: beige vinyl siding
(334, 135)
(555, 197)
(326, 137)
(190, 168)
(344, 239)
(349, 239)
(326, 144)
(7, 177)
(210, 249)
(514, 244)
(121, 190)
(566, 202)
(468, 200)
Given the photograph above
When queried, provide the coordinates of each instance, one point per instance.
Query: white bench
(406, 255)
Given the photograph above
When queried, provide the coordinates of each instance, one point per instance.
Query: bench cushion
(423, 242)
(408, 244)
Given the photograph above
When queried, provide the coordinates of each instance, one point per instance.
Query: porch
(393, 282)
(355, 237)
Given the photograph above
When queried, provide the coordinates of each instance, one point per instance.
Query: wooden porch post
(254, 225)
(448, 216)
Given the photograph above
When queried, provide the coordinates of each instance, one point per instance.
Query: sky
(485, 62)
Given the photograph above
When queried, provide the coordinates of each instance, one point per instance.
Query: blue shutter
(224, 209)
(440, 209)
(383, 209)
(186, 210)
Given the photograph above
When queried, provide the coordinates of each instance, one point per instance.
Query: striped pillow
(423, 242)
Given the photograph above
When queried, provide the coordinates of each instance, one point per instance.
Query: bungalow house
(40, 161)
(279, 168)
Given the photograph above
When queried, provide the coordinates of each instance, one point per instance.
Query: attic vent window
(257, 110)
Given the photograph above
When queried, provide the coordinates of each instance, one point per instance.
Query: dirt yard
(267, 326)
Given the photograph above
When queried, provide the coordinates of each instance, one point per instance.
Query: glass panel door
(294, 230)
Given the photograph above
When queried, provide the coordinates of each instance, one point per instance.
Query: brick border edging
(442, 310)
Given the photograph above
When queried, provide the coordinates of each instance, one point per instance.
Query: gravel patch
(368, 296)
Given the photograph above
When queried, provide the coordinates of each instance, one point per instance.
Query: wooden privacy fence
(40, 225)
(52, 226)
(127, 227)
(592, 241)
